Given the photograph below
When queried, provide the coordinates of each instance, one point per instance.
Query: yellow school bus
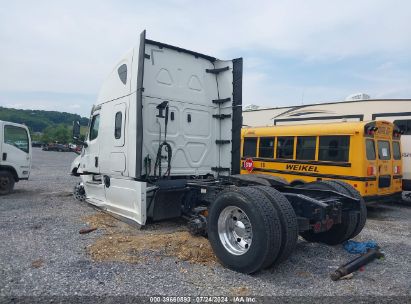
(364, 154)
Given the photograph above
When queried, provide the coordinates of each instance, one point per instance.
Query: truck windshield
(94, 127)
(16, 137)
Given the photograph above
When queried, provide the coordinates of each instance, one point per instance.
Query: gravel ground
(42, 252)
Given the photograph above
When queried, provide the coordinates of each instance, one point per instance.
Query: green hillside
(38, 120)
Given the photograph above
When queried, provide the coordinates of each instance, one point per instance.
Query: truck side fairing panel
(237, 121)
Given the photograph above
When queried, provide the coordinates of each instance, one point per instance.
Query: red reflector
(355, 185)
(317, 227)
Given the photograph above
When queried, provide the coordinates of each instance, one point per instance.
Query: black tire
(6, 182)
(362, 216)
(79, 193)
(288, 220)
(274, 180)
(266, 229)
(338, 233)
(297, 182)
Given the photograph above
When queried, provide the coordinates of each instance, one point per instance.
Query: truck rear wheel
(338, 233)
(288, 220)
(6, 182)
(362, 216)
(244, 229)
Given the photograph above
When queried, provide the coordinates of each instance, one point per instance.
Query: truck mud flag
(249, 164)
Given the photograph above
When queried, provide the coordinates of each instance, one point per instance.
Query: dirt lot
(42, 252)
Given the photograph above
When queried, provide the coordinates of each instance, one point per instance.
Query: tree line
(54, 126)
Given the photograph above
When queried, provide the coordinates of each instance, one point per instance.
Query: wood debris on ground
(132, 246)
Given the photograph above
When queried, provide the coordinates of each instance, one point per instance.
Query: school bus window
(306, 147)
(384, 152)
(404, 125)
(266, 147)
(285, 147)
(250, 147)
(370, 149)
(396, 151)
(334, 148)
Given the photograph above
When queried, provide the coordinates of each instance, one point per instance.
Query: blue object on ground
(359, 247)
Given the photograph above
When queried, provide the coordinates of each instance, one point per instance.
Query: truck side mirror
(76, 130)
(76, 134)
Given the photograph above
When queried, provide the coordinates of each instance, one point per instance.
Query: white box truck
(15, 151)
(164, 142)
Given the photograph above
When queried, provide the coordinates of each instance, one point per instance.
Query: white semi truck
(15, 151)
(164, 142)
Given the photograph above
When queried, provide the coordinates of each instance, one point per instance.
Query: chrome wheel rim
(235, 230)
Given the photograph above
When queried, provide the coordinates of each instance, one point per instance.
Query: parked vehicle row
(57, 147)
(62, 148)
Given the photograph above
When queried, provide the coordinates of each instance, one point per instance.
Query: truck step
(220, 169)
(222, 116)
(222, 141)
(216, 71)
(221, 101)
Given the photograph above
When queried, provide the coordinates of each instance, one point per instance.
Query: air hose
(168, 149)
(158, 158)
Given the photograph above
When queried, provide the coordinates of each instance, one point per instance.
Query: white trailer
(164, 142)
(15, 151)
(397, 111)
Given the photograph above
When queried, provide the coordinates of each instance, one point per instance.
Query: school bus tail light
(371, 170)
(397, 169)
(371, 130)
(397, 133)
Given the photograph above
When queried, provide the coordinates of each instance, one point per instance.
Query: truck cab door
(90, 161)
(16, 150)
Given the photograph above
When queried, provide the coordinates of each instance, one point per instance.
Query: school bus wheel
(338, 233)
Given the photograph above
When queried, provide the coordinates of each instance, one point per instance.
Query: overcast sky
(54, 55)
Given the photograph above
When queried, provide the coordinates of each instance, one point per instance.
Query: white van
(15, 159)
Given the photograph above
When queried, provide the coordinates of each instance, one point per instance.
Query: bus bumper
(388, 198)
